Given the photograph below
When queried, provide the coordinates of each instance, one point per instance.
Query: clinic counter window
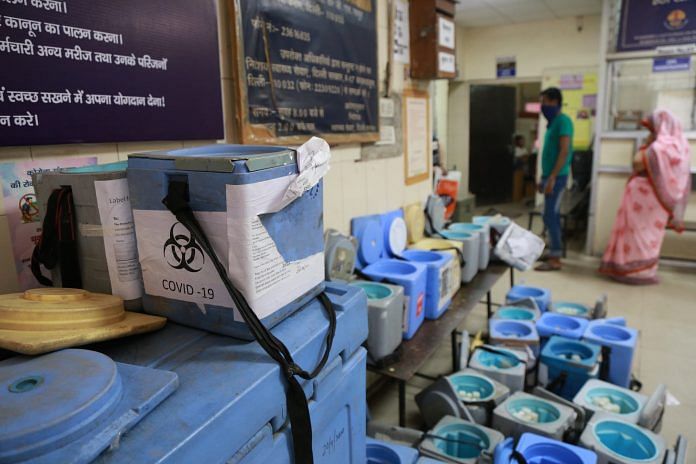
(638, 86)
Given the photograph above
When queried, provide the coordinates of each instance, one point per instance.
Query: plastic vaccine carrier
(619, 442)
(106, 247)
(502, 364)
(466, 394)
(541, 450)
(550, 324)
(516, 313)
(497, 223)
(484, 232)
(380, 452)
(568, 308)
(245, 392)
(542, 296)
(621, 340)
(385, 308)
(471, 244)
(244, 198)
(340, 254)
(523, 412)
(566, 365)
(458, 441)
(375, 263)
(516, 334)
(597, 396)
(440, 288)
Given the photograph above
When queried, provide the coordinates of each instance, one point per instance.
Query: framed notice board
(305, 67)
(417, 136)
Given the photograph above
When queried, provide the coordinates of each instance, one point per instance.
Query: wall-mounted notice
(22, 210)
(505, 66)
(402, 52)
(445, 33)
(671, 64)
(306, 68)
(647, 24)
(417, 136)
(103, 71)
(446, 62)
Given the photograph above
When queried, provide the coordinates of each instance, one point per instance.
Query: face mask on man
(549, 112)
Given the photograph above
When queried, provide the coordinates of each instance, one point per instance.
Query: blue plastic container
(230, 405)
(618, 442)
(471, 251)
(541, 450)
(484, 232)
(575, 359)
(274, 258)
(569, 308)
(514, 334)
(459, 441)
(516, 313)
(550, 324)
(380, 452)
(412, 277)
(622, 341)
(439, 293)
(542, 296)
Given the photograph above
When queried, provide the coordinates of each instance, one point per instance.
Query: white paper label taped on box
(445, 36)
(113, 202)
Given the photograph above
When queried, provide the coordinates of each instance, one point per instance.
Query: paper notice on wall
(402, 53)
(446, 62)
(118, 229)
(21, 208)
(445, 32)
(387, 135)
(417, 136)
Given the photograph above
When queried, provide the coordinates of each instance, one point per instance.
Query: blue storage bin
(516, 313)
(439, 288)
(514, 334)
(619, 442)
(506, 366)
(568, 308)
(622, 341)
(577, 360)
(471, 251)
(459, 441)
(230, 405)
(542, 296)
(484, 232)
(380, 452)
(558, 324)
(412, 277)
(273, 256)
(523, 412)
(541, 450)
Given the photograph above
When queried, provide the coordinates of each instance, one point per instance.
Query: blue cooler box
(230, 405)
(576, 360)
(439, 286)
(272, 249)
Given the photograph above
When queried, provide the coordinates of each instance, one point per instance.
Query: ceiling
(478, 13)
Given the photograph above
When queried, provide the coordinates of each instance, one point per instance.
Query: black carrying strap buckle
(557, 384)
(176, 201)
(503, 353)
(57, 245)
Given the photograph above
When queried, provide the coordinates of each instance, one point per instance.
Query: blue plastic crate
(558, 324)
(514, 334)
(575, 359)
(541, 450)
(542, 296)
(232, 395)
(380, 452)
(275, 258)
(439, 293)
(622, 341)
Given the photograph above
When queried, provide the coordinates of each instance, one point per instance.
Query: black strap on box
(176, 201)
(57, 244)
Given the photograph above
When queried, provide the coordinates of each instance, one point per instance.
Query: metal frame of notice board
(260, 133)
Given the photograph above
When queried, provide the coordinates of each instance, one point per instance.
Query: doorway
(503, 129)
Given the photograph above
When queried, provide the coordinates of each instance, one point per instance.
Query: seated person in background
(654, 198)
(521, 151)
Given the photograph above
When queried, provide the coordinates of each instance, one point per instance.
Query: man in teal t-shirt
(555, 167)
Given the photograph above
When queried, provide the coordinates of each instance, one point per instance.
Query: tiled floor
(665, 314)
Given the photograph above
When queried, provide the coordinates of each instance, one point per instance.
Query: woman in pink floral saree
(655, 198)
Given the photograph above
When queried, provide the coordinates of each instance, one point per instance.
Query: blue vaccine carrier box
(380, 237)
(439, 288)
(550, 324)
(542, 296)
(270, 241)
(575, 360)
(623, 342)
(231, 405)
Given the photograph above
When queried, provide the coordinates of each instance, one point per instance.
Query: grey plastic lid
(220, 158)
(652, 411)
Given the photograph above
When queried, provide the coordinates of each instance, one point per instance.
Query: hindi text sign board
(649, 24)
(306, 68)
(101, 71)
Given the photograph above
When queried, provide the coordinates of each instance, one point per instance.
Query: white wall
(537, 46)
(351, 188)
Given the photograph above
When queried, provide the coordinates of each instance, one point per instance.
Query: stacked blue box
(622, 341)
(542, 296)
(242, 197)
(439, 291)
(566, 365)
(230, 404)
(558, 324)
